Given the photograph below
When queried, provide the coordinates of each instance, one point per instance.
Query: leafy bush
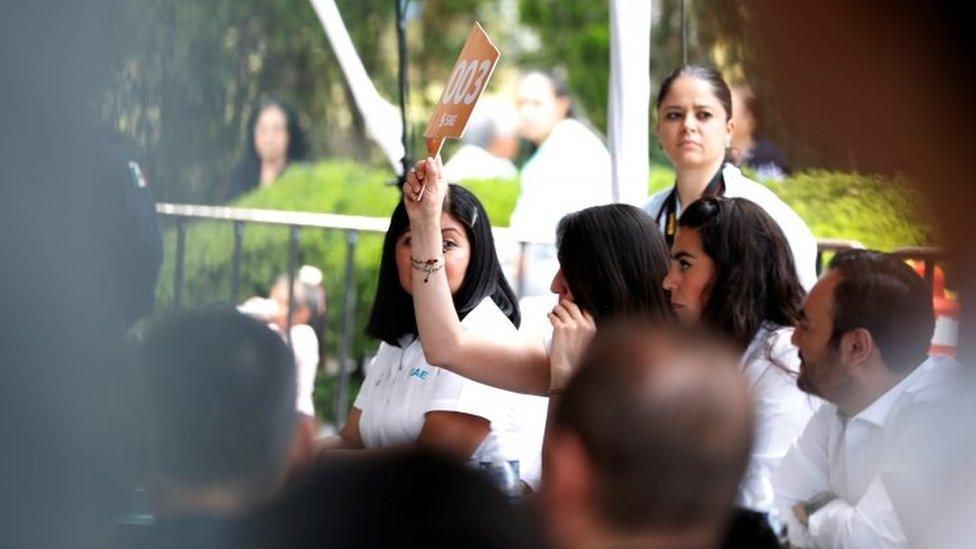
(878, 212)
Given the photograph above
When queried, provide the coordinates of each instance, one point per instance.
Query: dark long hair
(614, 260)
(755, 275)
(393, 317)
(719, 87)
(247, 173)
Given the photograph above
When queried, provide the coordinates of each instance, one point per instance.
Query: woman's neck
(270, 169)
(691, 182)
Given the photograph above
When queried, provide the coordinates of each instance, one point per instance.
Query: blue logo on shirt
(418, 373)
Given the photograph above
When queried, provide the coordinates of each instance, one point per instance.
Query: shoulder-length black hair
(247, 172)
(393, 317)
(614, 260)
(755, 275)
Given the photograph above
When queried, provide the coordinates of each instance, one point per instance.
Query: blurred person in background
(274, 139)
(648, 443)
(694, 127)
(307, 314)
(569, 171)
(863, 338)
(488, 145)
(221, 393)
(732, 272)
(750, 145)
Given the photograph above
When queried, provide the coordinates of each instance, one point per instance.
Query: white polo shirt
(781, 410)
(401, 387)
(801, 240)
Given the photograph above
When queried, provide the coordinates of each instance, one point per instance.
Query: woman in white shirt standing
(732, 272)
(694, 128)
(406, 401)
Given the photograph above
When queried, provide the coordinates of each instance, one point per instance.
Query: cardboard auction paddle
(471, 73)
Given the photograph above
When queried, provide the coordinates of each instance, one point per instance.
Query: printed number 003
(466, 82)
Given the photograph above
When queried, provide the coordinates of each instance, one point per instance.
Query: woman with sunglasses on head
(732, 272)
(694, 128)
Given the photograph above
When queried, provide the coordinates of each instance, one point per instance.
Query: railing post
(293, 235)
(235, 265)
(180, 253)
(819, 261)
(348, 319)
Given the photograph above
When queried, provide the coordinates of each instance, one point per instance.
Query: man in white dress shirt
(863, 340)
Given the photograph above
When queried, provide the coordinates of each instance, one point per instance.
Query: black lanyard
(715, 187)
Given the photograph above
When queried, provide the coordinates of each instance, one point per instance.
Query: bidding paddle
(470, 76)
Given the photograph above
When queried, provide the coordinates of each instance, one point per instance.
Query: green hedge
(876, 211)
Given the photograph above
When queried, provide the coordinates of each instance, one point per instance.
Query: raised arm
(519, 364)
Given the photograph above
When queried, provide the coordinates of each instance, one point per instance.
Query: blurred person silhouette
(488, 145)
(694, 127)
(750, 145)
(569, 171)
(399, 499)
(307, 315)
(221, 393)
(274, 139)
(863, 339)
(648, 443)
(66, 419)
(732, 272)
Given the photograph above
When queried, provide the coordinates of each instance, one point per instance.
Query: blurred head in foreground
(649, 442)
(406, 499)
(222, 397)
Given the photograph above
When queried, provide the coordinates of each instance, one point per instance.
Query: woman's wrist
(558, 376)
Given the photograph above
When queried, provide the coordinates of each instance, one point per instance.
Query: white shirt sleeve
(306, 346)
(454, 393)
(803, 473)
(870, 523)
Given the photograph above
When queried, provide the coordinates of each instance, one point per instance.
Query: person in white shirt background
(405, 400)
(694, 128)
(489, 143)
(732, 272)
(863, 338)
(569, 171)
(308, 311)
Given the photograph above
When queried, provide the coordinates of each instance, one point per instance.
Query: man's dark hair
(393, 317)
(882, 294)
(222, 393)
(755, 275)
(614, 260)
(665, 420)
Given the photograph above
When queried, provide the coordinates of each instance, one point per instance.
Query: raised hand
(424, 190)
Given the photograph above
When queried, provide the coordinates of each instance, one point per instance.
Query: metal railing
(352, 225)
(296, 222)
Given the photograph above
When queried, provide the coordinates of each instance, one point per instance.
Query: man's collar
(878, 411)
